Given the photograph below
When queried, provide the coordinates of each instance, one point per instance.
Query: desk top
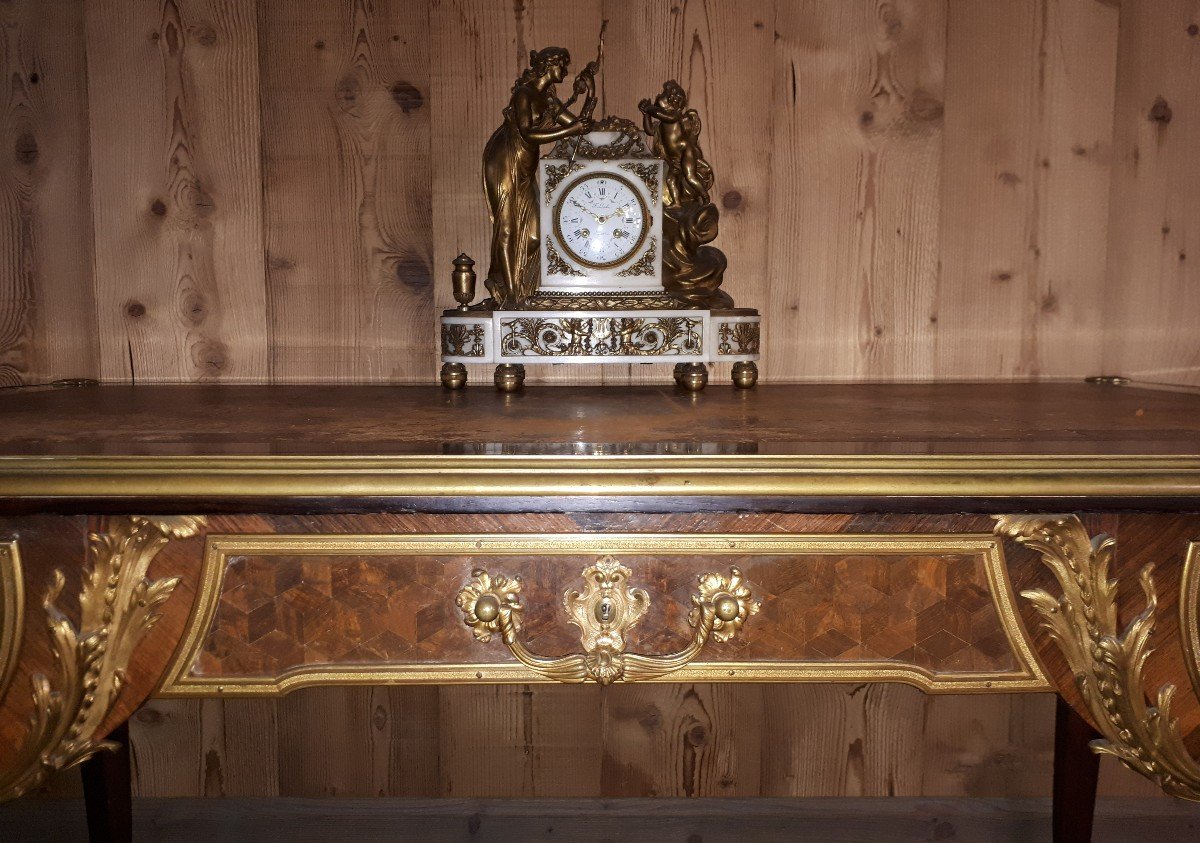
(839, 441)
(995, 418)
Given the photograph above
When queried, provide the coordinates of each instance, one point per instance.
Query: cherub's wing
(691, 123)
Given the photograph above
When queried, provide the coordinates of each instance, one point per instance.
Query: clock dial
(601, 220)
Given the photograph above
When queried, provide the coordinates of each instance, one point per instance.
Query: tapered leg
(107, 792)
(1076, 769)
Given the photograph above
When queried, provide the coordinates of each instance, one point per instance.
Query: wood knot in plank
(210, 357)
(924, 107)
(1161, 112)
(407, 96)
(193, 308)
(25, 150)
(347, 91)
(412, 270)
(205, 35)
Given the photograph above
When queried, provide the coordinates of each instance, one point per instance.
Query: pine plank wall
(273, 190)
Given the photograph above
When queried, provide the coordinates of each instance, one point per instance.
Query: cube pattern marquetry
(279, 612)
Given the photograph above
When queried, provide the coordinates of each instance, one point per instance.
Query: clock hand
(624, 209)
(586, 211)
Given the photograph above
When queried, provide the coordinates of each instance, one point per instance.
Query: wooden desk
(278, 537)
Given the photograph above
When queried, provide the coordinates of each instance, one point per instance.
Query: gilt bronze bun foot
(691, 376)
(745, 374)
(454, 375)
(509, 377)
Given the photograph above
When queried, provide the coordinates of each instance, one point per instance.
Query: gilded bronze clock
(601, 233)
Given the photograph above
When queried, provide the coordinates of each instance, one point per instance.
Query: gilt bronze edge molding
(1106, 661)
(12, 611)
(118, 606)
(178, 682)
(507, 673)
(460, 475)
(1189, 613)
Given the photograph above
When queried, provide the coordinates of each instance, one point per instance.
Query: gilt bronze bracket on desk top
(959, 538)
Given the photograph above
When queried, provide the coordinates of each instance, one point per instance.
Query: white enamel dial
(601, 220)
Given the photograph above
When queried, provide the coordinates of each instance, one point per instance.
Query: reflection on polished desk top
(1026, 418)
(1042, 440)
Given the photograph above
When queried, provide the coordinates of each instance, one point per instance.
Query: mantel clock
(600, 248)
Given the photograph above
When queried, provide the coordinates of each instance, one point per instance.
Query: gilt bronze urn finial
(463, 279)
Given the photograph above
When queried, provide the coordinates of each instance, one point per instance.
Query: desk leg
(107, 792)
(1076, 769)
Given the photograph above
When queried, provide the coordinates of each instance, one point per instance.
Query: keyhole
(605, 610)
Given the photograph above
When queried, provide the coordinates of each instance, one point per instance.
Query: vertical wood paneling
(176, 189)
(682, 740)
(407, 728)
(999, 744)
(47, 320)
(1153, 293)
(328, 743)
(510, 740)
(164, 739)
(239, 747)
(857, 740)
(1025, 188)
(855, 189)
(347, 190)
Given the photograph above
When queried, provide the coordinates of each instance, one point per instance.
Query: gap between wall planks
(210, 190)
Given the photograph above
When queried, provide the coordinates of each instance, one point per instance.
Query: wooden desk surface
(993, 447)
(845, 419)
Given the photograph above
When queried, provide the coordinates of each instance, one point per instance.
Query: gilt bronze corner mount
(117, 607)
(1107, 661)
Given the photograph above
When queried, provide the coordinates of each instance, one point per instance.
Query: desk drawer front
(281, 610)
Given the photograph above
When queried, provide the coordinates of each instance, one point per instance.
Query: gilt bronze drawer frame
(219, 548)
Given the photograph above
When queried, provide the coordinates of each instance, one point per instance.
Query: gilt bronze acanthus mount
(117, 608)
(1107, 661)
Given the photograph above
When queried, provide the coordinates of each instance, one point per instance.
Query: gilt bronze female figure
(534, 116)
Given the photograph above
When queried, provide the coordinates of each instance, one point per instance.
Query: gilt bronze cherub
(692, 270)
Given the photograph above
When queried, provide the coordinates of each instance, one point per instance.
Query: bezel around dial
(565, 191)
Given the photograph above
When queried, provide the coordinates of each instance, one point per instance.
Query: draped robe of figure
(510, 182)
(534, 116)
